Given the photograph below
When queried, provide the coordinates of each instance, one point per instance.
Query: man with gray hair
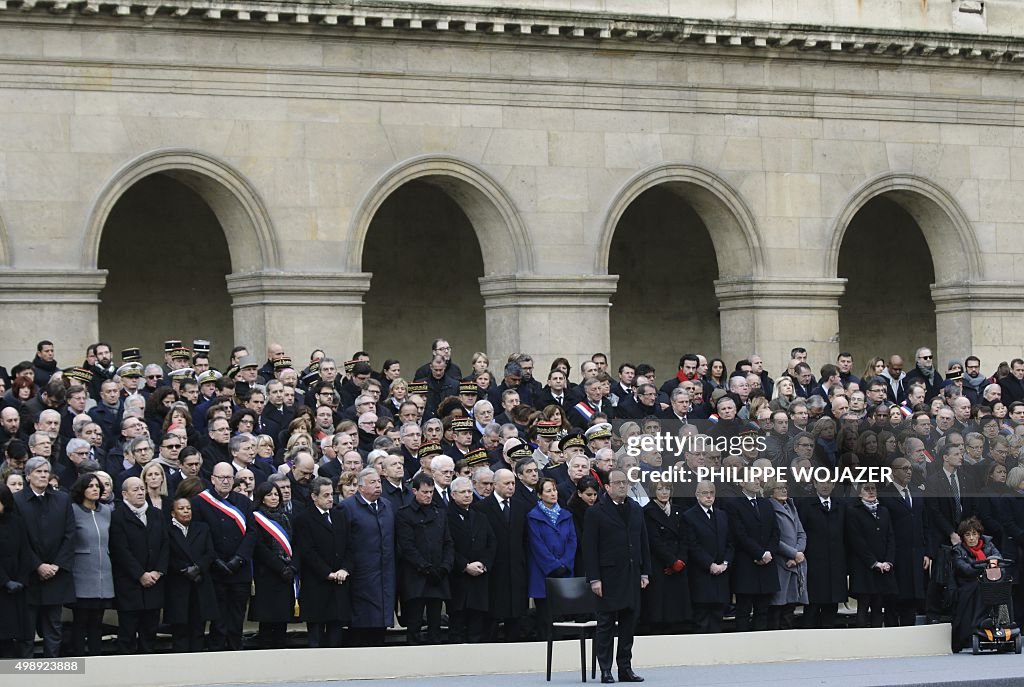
(442, 469)
(78, 452)
(243, 457)
(508, 593)
(483, 483)
(50, 525)
(474, 546)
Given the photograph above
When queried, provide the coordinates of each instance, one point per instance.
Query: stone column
(981, 318)
(300, 311)
(547, 316)
(59, 305)
(772, 316)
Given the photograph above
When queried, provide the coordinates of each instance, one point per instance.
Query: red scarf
(682, 377)
(979, 555)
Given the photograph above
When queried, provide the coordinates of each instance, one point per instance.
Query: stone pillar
(299, 310)
(59, 305)
(982, 319)
(547, 316)
(772, 316)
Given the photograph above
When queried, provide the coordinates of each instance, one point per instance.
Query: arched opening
(167, 257)
(665, 304)
(426, 260)
(887, 307)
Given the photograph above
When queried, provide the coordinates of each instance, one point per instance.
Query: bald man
(138, 556)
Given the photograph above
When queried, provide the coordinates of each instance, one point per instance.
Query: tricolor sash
(226, 508)
(276, 532)
(907, 412)
(586, 410)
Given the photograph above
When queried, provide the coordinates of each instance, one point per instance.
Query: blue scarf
(552, 513)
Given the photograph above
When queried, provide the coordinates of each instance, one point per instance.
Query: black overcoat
(196, 549)
(710, 541)
(473, 540)
(274, 601)
(667, 598)
(616, 552)
(508, 575)
(424, 542)
(826, 550)
(870, 540)
(754, 532)
(321, 549)
(50, 526)
(137, 548)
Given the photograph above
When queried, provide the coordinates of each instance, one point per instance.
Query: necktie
(828, 505)
(506, 511)
(444, 495)
(955, 485)
(757, 512)
(373, 507)
(327, 517)
(906, 498)
(711, 514)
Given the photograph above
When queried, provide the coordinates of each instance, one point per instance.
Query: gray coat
(792, 538)
(94, 578)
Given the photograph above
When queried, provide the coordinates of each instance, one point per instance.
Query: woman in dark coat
(872, 551)
(15, 571)
(666, 601)
(325, 561)
(474, 549)
(427, 555)
(585, 495)
(191, 598)
(968, 611)
(273, 570)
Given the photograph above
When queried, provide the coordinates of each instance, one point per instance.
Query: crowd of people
(354, 497)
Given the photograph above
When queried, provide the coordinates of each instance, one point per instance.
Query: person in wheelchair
(969, 557)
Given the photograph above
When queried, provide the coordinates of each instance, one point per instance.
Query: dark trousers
(513, 629)
(414, 617)
(46, 621)
(781, 617)
(752, 603)
(707, 618)
(323, 635)
(605, 638)
(136, 631)
(820, 616)
(900, 612)
(466, 626)
(226, 632)
(272, 635)
(869, 610)
(368, 636)
(87, 632)
(188, 637)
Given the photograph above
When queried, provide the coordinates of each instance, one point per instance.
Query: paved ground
(964, 670)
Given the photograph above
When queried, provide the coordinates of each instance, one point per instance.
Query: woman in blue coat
(551, 536)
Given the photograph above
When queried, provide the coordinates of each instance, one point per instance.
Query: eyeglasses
(172, 447)
(222, 477)
(154, 376)
(926, 357)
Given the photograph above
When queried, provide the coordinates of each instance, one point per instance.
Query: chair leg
(550, 641)
(583, 655)
(593, 657)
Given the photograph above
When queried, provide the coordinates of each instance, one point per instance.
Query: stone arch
(947, 230)
(729, 221)
(504, 241)
(239, 209)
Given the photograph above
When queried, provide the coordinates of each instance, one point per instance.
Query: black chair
(571, 597)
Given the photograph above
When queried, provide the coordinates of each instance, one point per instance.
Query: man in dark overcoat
(508, 594)
(711, 554)
(824, 521)
(371, 533)
(617, 561)
(474, 550)
(907, 513)
(50, 526)
(755, 534)
(325, 565)
(138, 557)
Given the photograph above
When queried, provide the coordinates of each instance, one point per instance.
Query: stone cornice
(992, 296)
(250, 289)
(545, 291)
(51, 286)
(554, 26)
(770, 294)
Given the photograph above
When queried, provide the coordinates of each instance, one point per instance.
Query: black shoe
(628, 675)
(606, 677)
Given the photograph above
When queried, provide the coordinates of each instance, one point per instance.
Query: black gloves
(561, 571)
(192, 572)
(13, 587)
(235, 564)
(222, 567)
(288, 573)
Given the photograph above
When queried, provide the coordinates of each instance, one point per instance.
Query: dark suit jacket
(50, 526)
(137, 548)
(508, 575)
(616, 552)
(196, 549)
(709, 543)
(753, 534)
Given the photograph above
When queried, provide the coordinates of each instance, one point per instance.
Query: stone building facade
(565, 176)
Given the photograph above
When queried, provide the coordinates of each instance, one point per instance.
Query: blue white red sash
(226, 508)
(276, 532)
(586, 410)
(713, 417)
(907, 412)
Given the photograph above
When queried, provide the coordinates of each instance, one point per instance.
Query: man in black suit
(50, 526)
(946, 506)
(754, 577)
(711, 552)
(906, 507)
(593, 403)
(555, 393)
(138, 557)
(508, 593)
(824, 521)
(617, 561)
(229, 517)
